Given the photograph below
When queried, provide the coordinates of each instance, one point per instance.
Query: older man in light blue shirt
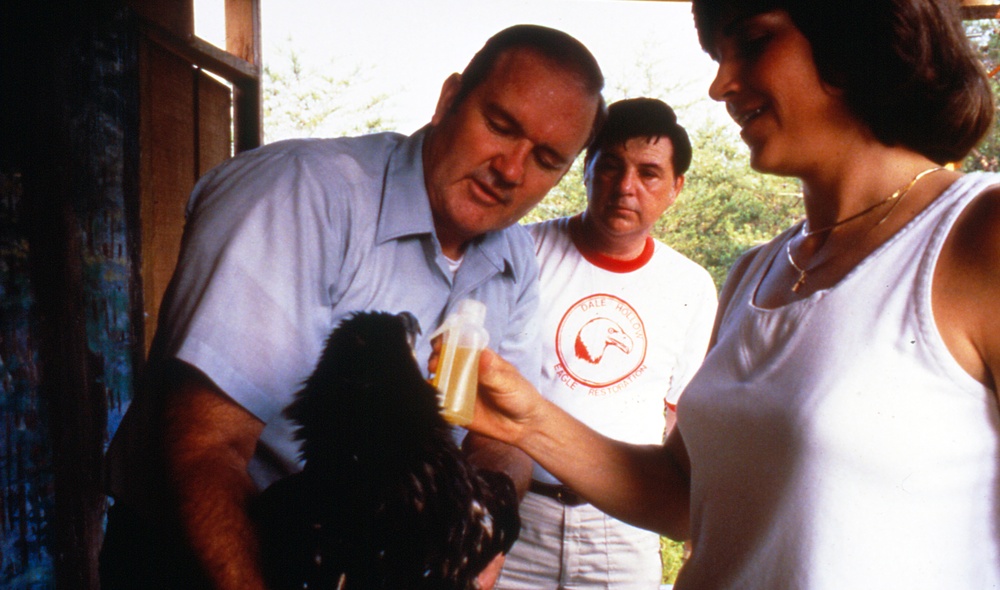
(284, 241)
(253, 224)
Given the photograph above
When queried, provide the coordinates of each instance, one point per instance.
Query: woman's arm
(646, 485)
(966, 289)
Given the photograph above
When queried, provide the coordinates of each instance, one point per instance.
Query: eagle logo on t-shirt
(596, 336)
(601, 340)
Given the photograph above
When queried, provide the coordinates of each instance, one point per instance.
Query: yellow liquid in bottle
(456, 380)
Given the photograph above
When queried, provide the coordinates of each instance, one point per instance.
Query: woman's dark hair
(562, 48)
(646, 118)
(906, 67)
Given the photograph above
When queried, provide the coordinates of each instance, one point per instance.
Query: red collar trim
(604, 261)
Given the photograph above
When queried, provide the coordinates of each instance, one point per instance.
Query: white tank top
(835, 442)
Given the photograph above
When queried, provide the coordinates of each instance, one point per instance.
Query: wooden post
(243, 41)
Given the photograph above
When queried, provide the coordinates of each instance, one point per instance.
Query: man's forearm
(491, 454)
(208, 444)
(212, 511)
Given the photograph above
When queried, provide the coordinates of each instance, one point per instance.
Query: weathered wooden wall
(68, 347)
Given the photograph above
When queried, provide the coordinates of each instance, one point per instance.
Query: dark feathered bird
(385, 499)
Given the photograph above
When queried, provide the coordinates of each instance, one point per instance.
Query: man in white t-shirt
(625, 322)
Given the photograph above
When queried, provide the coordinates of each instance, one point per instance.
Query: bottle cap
(472, 310)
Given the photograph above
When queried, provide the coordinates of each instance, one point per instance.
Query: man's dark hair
(562, 48)
(647, 118)
(906, 67)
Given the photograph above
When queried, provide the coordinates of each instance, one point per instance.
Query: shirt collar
(405, 209)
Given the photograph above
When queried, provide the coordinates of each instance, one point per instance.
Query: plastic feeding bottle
(456, 379)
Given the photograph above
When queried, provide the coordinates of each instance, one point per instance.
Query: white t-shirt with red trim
(620, 339)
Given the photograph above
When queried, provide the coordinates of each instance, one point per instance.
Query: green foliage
(569, 197)
(652, 75)
(672, 554)
(725, 207)
(331, 101)
(985, 36)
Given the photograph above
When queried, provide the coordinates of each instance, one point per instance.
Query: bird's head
(597, 335)
(367, 385)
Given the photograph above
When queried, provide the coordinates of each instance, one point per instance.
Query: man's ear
(678, 185)
(449, 90)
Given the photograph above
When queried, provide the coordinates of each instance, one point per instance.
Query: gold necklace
(895, 196)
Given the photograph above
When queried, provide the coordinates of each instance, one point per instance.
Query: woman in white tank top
(843, 431)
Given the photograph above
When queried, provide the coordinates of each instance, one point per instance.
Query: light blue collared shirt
(285, 240)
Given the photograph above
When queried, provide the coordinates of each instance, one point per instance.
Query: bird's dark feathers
(385, 499)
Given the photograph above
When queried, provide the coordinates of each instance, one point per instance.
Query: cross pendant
(798, 284)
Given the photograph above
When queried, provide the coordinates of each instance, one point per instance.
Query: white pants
(572, 547)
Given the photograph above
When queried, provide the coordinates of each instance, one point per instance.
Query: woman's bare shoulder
(966, 288)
